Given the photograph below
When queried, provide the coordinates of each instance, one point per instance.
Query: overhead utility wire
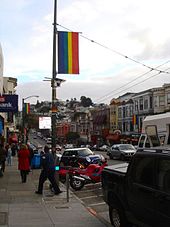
(141, 75)
(151, 68)
(125, 56)
(135, 84)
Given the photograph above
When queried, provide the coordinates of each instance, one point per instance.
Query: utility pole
(23, 122)
(55, 82)
(54, 109)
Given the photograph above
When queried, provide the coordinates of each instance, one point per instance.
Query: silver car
(121, 151)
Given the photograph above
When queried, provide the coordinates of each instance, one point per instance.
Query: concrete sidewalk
(20, 206)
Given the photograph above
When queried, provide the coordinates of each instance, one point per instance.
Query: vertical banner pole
(53, 116)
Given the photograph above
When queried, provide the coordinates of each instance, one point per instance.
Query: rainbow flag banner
(135, 119)
(68, 52)
(26, 108)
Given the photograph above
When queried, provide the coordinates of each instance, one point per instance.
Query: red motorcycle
(92, 174)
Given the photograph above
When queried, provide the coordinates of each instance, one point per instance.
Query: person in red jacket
(24, 162)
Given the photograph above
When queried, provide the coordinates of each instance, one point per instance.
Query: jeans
(9, 160)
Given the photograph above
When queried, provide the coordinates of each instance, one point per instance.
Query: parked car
(104, 148)
(68, 146)
(85, 156)
(121, 151)
(94, 147)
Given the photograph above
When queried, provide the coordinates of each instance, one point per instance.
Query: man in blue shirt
(47, 172)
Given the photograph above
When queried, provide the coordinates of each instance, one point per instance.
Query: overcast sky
(138, 29)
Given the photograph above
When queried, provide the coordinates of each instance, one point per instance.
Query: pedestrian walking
(9, 155)
(14, 149)
(2, 157)
(24, 162)
(48, 172)
(31, 152)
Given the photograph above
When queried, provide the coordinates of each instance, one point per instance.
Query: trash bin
(36, 161)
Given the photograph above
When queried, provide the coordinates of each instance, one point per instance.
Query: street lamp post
(55, 82)
(23, 115)
(53, 116)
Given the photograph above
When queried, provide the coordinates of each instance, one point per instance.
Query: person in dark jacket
(24, 162)
(47, 172)
(2, 157)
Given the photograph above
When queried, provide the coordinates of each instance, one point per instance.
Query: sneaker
(37, 192)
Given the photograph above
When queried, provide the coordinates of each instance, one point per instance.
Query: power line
(116, 52)
(139, 76)
(134, 85)
(127, 57)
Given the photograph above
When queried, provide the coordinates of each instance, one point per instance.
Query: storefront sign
(9, 103)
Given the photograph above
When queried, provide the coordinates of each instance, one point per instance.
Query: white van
(162, 124)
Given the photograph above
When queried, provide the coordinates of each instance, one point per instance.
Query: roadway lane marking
(93, 196)
(91, 190)
(97, 204)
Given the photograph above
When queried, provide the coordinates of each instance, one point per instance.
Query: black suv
(84, 156)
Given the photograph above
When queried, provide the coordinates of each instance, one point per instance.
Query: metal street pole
(53, 84)
(23, 116)
(23, 120)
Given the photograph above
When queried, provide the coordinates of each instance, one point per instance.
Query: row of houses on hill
(124, 115)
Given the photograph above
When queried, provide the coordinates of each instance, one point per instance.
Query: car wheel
(122, 157)
(110, 156)
(117, 216)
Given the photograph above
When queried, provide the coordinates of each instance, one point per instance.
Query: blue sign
(1, 126)
(9, 103)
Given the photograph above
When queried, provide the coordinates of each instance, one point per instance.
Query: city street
(92, 197)
(91, 194)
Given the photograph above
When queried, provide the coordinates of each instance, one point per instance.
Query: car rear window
(126, 147)
(85, 152)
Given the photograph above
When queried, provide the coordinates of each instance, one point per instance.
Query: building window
(161, 101)
(136, 105)
(126, 127)
(145, 104)
(124, 112)
(156, 101)
(151, 102)
(168, 98)
(119, 113)
(127, 111)
(141, 104)
(131, 111)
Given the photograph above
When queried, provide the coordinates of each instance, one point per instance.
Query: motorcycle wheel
(76, 184)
